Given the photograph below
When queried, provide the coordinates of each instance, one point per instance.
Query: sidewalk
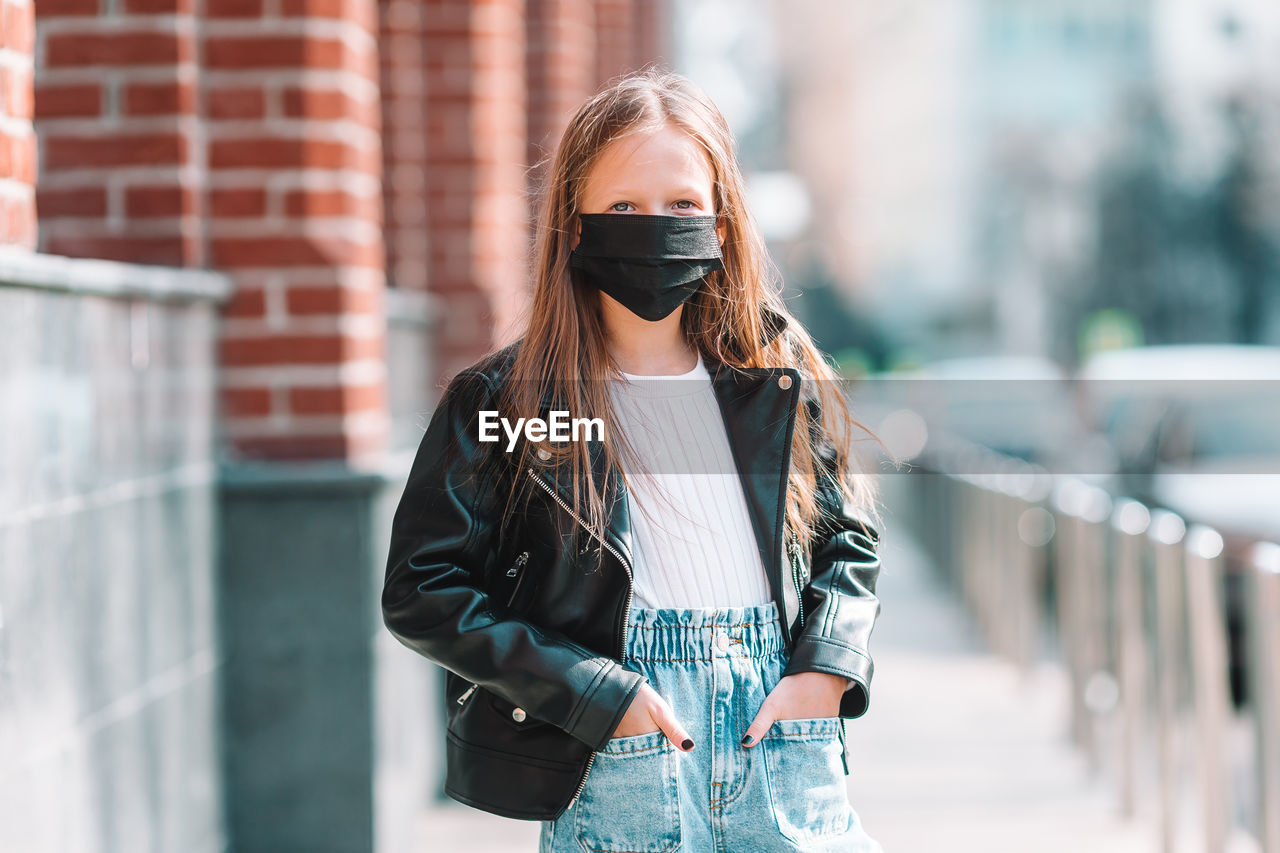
(956, 753)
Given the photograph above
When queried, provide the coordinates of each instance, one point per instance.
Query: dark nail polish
(748, 740)
(687, 745)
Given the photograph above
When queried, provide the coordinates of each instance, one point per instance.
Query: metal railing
(1133, 598)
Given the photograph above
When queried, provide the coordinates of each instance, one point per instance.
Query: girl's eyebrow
(682, 191)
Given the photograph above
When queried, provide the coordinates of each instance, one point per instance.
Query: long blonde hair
(563, 352)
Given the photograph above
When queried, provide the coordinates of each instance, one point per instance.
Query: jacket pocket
(627, 772)
(522, 768)
(804, 766)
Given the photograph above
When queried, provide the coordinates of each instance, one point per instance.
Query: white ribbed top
(692, 539)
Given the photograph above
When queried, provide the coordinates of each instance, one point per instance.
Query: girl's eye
(622, 206)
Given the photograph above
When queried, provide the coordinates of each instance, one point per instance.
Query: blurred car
(1195, 429)
(1184, 408)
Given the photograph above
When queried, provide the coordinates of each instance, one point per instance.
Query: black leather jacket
(531, 623)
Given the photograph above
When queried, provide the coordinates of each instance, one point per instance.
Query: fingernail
(748, 740)
(687, 745)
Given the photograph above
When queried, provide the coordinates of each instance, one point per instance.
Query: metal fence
(1134, 602)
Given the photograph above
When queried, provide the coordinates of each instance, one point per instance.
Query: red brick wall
(292, 120)
(404, 142)
(561, 71)
(17, 138)
(617, 50)
(115, 108)
(476, 139)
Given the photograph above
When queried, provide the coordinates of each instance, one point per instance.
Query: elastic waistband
(703, 633)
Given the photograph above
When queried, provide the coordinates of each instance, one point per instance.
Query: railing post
(1211, 698)
(989, 593)
(1166, 535)
(1081, 511)
(972, 543)
(992, 590)
(1130, 519)
(1094, 623)
(1066, 502)
(1034, 530)
(1263, 627)
(1008, 603)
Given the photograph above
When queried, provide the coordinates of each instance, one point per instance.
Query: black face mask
(651, 264)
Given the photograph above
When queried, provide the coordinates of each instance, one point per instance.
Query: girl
(654, 632)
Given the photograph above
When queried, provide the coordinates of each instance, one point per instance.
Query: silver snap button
(722, 642)
(544, 454)
(518, 715)
(784, 382)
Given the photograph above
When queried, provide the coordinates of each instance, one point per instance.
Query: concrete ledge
(23, 268)
(302, 479)
(269, 476)
(411, 307)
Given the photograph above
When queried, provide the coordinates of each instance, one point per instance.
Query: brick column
(477, 210)
(616, 49)
(561, 68)
(404, 143)
(17, 136)
(119, 159)
(292, 116)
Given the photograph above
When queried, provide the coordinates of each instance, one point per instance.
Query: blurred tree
(1244, 203)
(1190, 261)
(1165, 249)
(1108, 329)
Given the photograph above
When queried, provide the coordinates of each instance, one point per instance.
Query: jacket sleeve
(433, 600)
(840, 602)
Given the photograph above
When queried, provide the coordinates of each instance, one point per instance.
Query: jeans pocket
(630, 803)
(816, 727)
(805, 776)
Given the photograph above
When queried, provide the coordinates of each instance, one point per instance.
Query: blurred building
(247, 241)
(948, 146)
(976, 167)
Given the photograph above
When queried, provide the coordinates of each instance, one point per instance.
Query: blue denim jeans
(642, 795)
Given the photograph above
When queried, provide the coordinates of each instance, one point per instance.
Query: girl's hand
(649, 712)
(798, 696)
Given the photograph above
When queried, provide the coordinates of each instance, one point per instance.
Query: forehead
(666, 155)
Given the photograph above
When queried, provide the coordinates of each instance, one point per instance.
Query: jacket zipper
(515, 570)
(520, 561)
(626, 614)
(844, 747)
(591, 759)
(462, 700)
(795, 574)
